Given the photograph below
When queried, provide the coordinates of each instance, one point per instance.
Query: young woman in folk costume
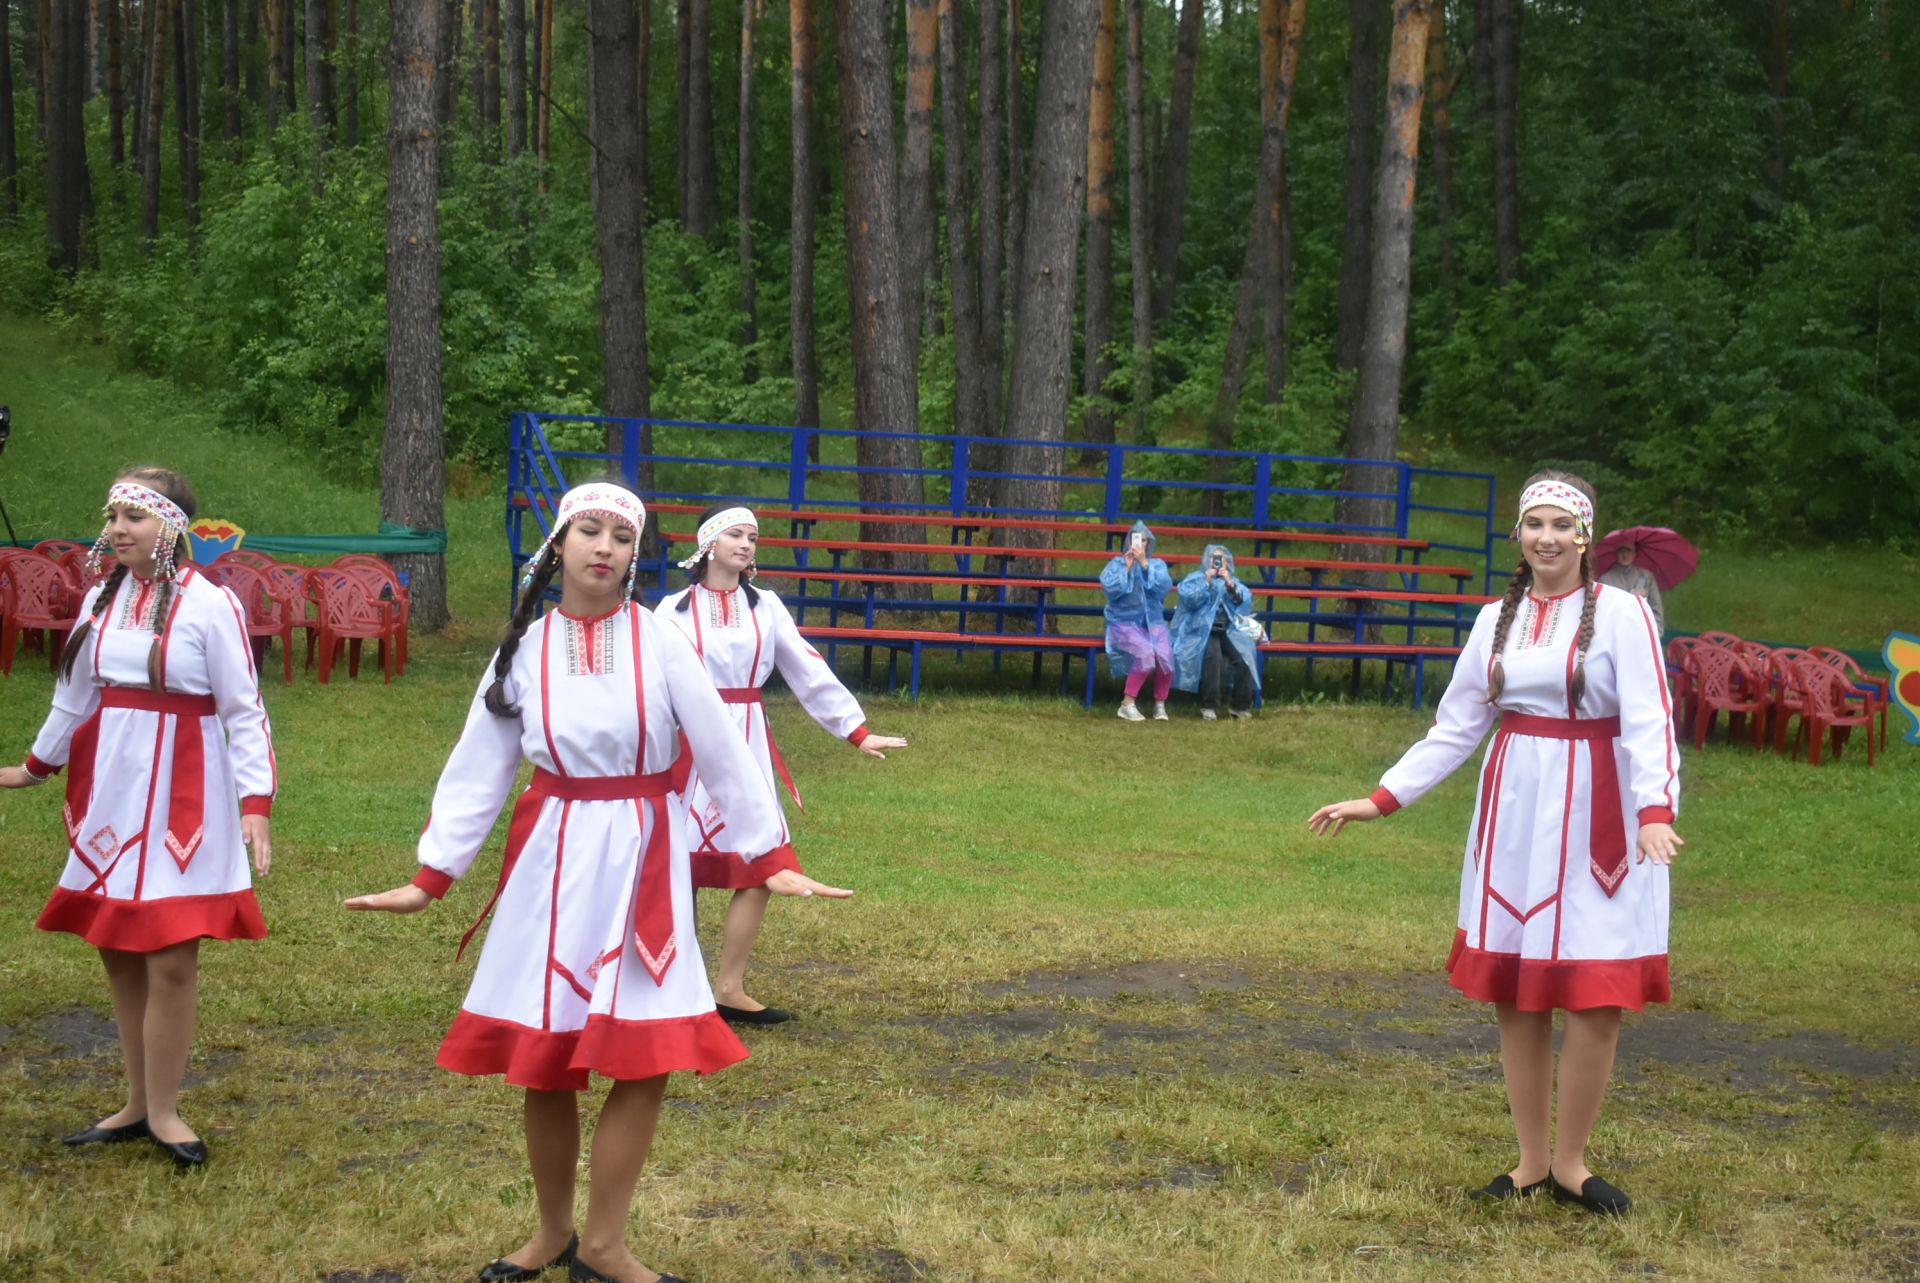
(592, 962)
(1583, 768)
(743, 634)
(170, 773)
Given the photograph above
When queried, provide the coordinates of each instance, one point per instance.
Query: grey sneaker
(1159, 710)
(1208, 715)
(1244, 714)
(1130, 712)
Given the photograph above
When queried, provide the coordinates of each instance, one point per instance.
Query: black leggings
(1218, 648)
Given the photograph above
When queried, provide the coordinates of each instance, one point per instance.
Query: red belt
(186, 799)
(1607, 837)
(752, 695)
(653, 930)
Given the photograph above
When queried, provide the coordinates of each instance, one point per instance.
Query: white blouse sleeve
(75, 699)
(236, 697)
(473, 787)
(1463, 720)
(811, 678)
(727, 768)
(1646, 710)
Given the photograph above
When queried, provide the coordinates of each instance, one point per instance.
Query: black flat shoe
(98, 1135)
(1502, 1188)
(505, 1271)
(185, 1153)
(764, 1016)
(1595, 1196)
(581, 1272)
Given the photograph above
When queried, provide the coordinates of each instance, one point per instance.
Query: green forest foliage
(1713, 351)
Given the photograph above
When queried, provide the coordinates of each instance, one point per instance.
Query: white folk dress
(1554, 909)
(157, 781)
(741, 647)
(591, 963)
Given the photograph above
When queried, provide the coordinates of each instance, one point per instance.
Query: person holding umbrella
(1645, 560)
(1637, 580)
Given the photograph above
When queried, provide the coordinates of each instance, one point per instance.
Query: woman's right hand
(16, 777)
(402, 899)
(1329, 820)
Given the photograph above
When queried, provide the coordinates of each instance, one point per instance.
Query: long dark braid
(77, 640)
(1516, 589)
(162, 607)
(523, 616)
(1578, 686)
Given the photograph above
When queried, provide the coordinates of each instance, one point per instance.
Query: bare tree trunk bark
(1043, 325)
(1139, 244)
(187, 109)
(543, 114)
(517, 77)
(703, 175)
(448, 76)
(1282, 25)
(1096, 362)
(1440, 82)
(412, 463)
(917, 217)
(143, 46)
(993, 224)
(1373, 430)
(9, 153)
(352, 95)
(156, 65)
(66, 76)
(1363, 145)
(289, 103)
(884, 396)
(1171, 197)
(1016, 139)
(253, 58)
(229, 73)
(803, 200)
(1506, 138)
(488, 111)
(319, 50)
(683, 101)
(969, 400)
(743, 196)
(116, 93)
(614, 106)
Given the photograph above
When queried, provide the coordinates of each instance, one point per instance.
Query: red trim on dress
(859, 735)
(1534, 984)
(433, 882)
(731, 871)
(257, 805)
(1655, 815)
(39, 769)
(146, 926)
(1381, 798)
(562, 1060)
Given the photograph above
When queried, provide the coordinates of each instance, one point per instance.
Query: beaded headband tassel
(713, 527)
(1558, 494)
(600, 499)
(144, 499)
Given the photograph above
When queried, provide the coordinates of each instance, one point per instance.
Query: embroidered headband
(1558, 494)
(173, 526)
(597, 499)
(713, 527)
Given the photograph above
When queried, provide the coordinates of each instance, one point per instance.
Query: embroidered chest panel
(724, 609)
(1540, 623)
(135, 609)
(589, 647)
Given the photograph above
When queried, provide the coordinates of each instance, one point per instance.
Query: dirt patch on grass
(1180, 981)
(77, 1033)
(880, 1264)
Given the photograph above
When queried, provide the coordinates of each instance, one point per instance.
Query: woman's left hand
(1659, 843)
(253, 832)
(872, 745)
(17, 777)
(793, 882)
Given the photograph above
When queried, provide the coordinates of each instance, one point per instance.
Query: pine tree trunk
(1440, 82)
(289, 103)
(230, 71)
(1282, 23)
(1045, 286)
(703, 174)
(1506, 138)
(517, 77)
(884, 396)
(412, 465)
(186, 105)
(1363, 146)
(1096, 362)
(969, 399)
(1016, 140)
(352, 94)
(447, 77)
(993, 223)
(9, 155)
(489, 109)
(66, 74)
(683, 100)
(116, 93)
(156, 60)
(917, 218)
(803, 200)
(543, 113)
(1139, 244)
(1373, 429)
(253, 58)
(743, 197)
(319, 50)
(1170, 196)
(142, 79)
(614, 106)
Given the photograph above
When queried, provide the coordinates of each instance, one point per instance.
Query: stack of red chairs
(1824, 687)
(40, 592)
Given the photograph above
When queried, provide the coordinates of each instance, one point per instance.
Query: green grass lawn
(1101, 1010)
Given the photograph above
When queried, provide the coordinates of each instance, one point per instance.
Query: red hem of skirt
(561, 1059)
(147, 926)
(1535, 984)
(729, 870)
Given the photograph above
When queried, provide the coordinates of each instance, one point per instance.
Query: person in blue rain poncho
(1138, 643)
(1214, 630)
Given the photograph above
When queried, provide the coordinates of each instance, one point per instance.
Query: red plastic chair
(1788, 701)
(292, 586)
(352, 611)
(1828, 703)
(1719, 639)
(381, 570)
(1724, 681)
(267, 616)
(1874, 692)
(1680, 681)
(41, 597)
(244, 557)
(59, 548)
